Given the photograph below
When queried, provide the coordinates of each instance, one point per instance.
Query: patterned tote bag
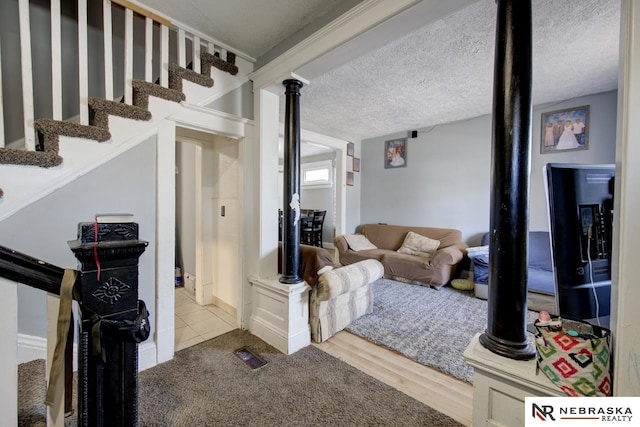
(575, 356)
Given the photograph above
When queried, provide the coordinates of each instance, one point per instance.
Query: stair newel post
(291, 208)
(512, 110)
(111, 322)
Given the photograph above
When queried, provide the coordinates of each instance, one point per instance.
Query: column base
(290, 280)
(500, 385)
(280, 314)
(512, 350)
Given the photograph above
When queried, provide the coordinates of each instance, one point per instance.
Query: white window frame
(324, 164)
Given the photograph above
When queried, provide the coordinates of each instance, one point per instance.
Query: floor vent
(250, 358)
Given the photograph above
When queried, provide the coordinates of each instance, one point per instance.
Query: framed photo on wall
(395, 153)
(356, 164)
(565, 130)
(350, 179)
(351, 147)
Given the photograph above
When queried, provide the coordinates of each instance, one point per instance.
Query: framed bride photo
(565, 130)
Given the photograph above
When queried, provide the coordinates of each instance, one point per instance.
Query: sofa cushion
(345, 279)
(351, 257)
(541, 281)
(358, 242)
(415, 244)
(391, 236)
(411, 267)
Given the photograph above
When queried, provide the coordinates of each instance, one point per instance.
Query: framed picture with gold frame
(350, 178)
(356, 164)
(351, 148)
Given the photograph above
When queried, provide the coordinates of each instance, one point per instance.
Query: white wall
(446, 182)
(42, 230)
(238, 102)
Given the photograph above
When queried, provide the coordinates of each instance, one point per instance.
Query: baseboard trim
(147, 355)
(33, 348)
(227, 308)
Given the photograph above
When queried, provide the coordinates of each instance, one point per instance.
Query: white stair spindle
(27, 75)
(128, 56)
(164, 56)
(83, 62)
(56, 61)
(182, 48)
(196, 53)
(108, 49)
(9, 352)
(211, 48)
(148, 50)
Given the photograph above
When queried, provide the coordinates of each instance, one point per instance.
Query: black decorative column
(112, 322)
(512, 105)
(291, 208)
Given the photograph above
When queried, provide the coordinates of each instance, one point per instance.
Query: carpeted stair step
(142, 90)
(208, 60)
(44, 159)
(49, 132)
(177, 74)
(100, 109)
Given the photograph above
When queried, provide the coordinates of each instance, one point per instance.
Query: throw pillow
(358, 242)
(416, 244)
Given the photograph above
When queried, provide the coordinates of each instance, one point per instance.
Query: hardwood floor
(433, 388)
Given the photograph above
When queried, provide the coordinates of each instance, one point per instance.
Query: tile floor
(197, 323)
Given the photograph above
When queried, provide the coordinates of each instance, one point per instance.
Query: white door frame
(341, 171)
(204, 120)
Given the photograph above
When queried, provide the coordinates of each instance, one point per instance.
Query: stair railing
(100, 27)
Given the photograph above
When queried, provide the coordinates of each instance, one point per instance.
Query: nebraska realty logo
(585, 410)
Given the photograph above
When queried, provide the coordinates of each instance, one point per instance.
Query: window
(317, 174)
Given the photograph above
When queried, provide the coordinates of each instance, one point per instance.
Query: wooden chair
(312, 232)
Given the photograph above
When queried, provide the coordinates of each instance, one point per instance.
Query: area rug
(207, 385)
(432, 327)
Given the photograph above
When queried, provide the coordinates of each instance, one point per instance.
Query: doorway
(208, 223)
(330, 196)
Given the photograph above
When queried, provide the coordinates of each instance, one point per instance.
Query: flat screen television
(580, 202)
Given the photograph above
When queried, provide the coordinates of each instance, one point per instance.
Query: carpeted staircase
(49, 131)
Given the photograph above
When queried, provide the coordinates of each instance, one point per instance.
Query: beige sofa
(435, 269)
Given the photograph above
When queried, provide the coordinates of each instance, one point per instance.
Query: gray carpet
(207, 385)
(432, 327)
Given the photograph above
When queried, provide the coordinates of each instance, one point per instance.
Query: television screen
(580, 201)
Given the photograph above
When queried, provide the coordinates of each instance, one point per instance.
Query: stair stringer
(24, 185)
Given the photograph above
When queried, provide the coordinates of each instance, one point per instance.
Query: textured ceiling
(444, 72)
(439, 73)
